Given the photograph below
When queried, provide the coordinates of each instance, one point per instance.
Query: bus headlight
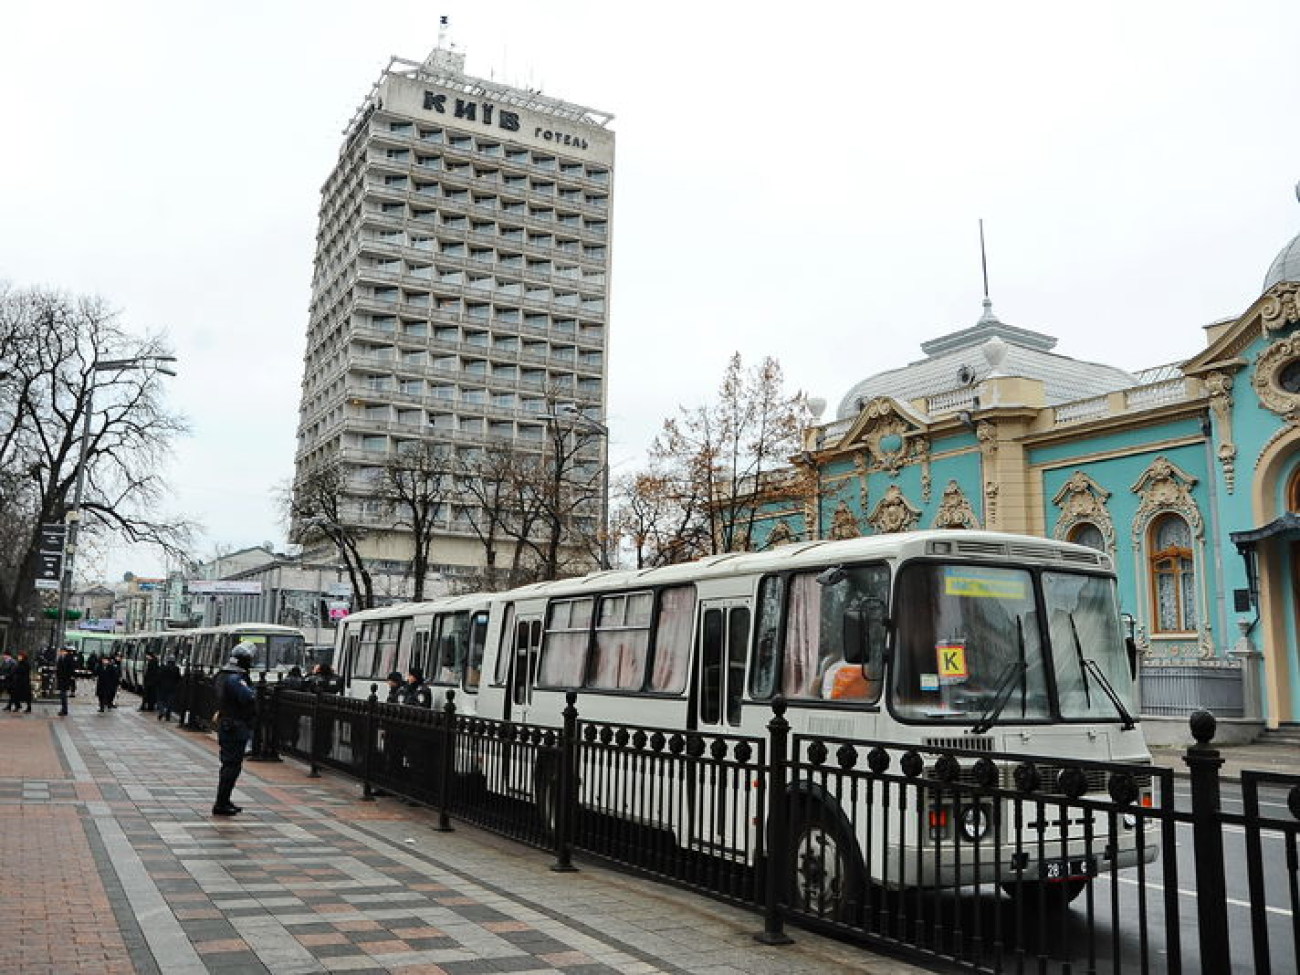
(974, 822)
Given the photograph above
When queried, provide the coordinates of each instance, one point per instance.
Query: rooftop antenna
(442, 30)
(984, 264)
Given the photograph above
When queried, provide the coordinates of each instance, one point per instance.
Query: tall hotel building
(460, 286)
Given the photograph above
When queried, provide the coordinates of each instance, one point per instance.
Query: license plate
(1067, 869)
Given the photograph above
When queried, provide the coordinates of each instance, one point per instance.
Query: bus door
(715, 794)
(525, 643)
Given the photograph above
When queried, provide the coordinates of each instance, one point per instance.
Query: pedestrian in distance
(236, 711)
(149, 682)
(417, 693)
(394, 744)
(20, 684)
(7, 665)
(321, 679)
(169, 681)
(294, 680)
(108, 675)
(65, 678)
(395, 688)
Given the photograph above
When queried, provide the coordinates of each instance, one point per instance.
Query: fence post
(566, 802)
(778, 736)
(189, 696)
(263, 751)
(372, 707)
(314, 773)
(1204, 763)
(271, 727)
(447, 741)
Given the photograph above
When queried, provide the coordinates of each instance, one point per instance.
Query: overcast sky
(796, 180)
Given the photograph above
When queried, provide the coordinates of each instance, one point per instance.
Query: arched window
(1086, 533)
(1173, 575)
(1293, 492)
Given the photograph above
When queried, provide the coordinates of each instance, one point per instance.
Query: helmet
(243, 654)
(395, 677)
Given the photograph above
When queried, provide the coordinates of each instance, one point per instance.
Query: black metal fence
(984, 861)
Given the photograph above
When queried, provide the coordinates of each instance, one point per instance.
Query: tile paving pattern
(108, 844)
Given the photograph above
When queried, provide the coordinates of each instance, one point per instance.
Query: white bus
(444, 638)
(207, 648)
(973, 640)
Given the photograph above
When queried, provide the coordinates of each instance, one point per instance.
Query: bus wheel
(1055, 896)
(825, 870)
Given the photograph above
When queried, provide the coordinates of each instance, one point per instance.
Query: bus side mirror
(864, 637)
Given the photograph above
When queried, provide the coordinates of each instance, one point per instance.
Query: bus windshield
(1090, 662)
(970, 647)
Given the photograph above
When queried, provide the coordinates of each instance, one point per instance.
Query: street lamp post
(73, 517)
(569, 413)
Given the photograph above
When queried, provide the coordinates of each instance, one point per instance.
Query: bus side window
(765, 668)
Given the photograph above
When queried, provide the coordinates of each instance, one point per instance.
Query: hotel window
(517, 155)
(394, 180)
(598, 175)
(544, 162)
(399, 127)
(461, 141)
(1173, 574)
(431, 135)
(490, 148)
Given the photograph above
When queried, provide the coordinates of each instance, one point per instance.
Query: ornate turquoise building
(1187, 473)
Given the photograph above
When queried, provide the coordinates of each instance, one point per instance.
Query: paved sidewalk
(114, 865)
(1261, 756)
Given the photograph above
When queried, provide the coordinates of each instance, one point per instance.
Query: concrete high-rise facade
(460, 292)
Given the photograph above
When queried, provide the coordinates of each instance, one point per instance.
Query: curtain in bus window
(622, 642)
(403, 660)
(802, 631)
(564, 645)
(477, 643)
(367, 650)
(672, 652)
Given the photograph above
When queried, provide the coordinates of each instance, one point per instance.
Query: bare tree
(491, 484)
(413, 486)
(315, 504)
(77, 387)
(711, 468)
(662, 517)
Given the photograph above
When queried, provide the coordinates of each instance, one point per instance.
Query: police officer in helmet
(236, 710)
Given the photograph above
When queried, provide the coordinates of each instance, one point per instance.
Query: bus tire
(1056, 895)
(824, 873)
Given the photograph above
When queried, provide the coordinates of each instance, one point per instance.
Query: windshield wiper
(1126, 719)
(1083, 666)
(1017, 669)
(1089, 666)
